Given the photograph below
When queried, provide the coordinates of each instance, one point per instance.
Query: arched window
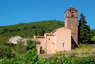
(72, 14)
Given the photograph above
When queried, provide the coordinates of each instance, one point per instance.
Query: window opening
(72, 14)
(63, 44)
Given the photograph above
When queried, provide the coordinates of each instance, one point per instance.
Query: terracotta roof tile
(36, 41)
(39, 36)
(49, 34)
(71, 8)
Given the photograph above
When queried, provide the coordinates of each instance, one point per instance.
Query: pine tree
(83, 31)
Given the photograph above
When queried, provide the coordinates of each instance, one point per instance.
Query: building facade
(64, 38)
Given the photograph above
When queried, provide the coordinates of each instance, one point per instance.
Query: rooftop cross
(70, 5)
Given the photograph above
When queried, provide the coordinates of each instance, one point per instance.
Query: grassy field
(81, 51)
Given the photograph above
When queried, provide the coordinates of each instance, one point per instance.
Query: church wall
(63, 36)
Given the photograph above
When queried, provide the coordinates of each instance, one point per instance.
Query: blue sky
(15, 11)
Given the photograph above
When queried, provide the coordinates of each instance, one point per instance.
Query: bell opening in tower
(72, 14)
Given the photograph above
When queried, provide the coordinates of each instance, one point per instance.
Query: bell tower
(71, 22)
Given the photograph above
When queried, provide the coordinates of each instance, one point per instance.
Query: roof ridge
(71, 8)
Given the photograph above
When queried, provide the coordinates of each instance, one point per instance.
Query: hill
(26, 30)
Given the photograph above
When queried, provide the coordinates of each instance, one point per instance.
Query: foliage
(5, 51)
(27, 30)
(84, 30)
(93, 39)
(42, 51)
(35, 33)
(29, 57)
(5, 48)
(32, 58)
(92, 33)
(30, 45)
(67, 60)
(41, 32)
(20, 47)
(3, 40)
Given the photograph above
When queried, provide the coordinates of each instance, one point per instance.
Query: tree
(31, 56)
(20, 47)
(35, 33)
(5, 48)
(92, 33)
(30, 45)
(93, 39)
(83, 30)
(42, 31)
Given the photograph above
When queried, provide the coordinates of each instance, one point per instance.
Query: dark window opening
(63, 44)
(72, 14)
(40, 50)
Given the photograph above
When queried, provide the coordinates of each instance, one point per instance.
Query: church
(64, 38)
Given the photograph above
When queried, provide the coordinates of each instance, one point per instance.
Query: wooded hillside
(27, 30)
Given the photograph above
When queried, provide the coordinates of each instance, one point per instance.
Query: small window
(72, 14)
(49, 38)
(63, 44)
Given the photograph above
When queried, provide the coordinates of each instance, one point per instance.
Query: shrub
(5, 51)
(3, 40)
(20, 47)
(30, 45)
(31, 56)
(93, 39)
(64, 51)
(42, 51)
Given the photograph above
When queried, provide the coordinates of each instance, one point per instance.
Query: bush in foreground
(5, 48)
(32, 58)
(5, 51)
(30, 45)
(20, 47)
(29, 57)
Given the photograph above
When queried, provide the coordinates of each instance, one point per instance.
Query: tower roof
(71, 8)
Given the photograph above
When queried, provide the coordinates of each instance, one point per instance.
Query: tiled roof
(71, 8)
(39, 36)
(53, 31)
(49, 34)
(56, 29)
(36, 41)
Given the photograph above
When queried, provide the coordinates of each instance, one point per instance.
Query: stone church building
(64, 38)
